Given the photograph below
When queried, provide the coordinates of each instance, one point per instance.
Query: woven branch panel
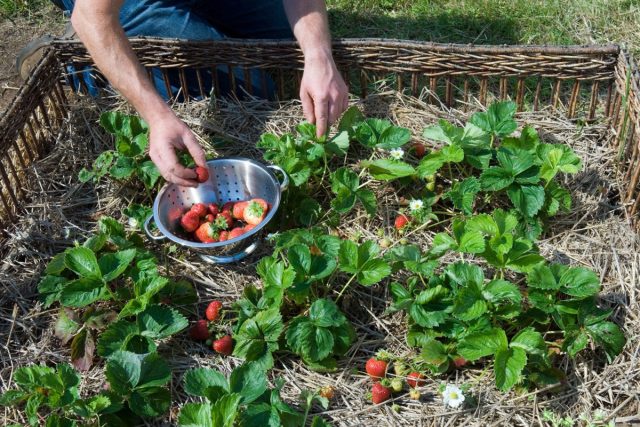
(582, 82)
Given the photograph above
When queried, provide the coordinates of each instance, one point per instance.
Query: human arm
(323, 93)
(98, 26)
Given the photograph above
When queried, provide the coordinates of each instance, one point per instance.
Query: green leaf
(434, 352)
(196, 415)
(258, 337)
(579, 282)
(66, 326)
(531, 341)
(200, 382)
(463, 194)
(496, 179)
(83, 262)
(95, 243)
(158, 322)
(116, 337)
(363, 262)
(499, 290)
(528, 199)
(149, 173)
(123, 371)
(389, 169)
(442, 243)
(150, 402)
(344, 184)
(225, 410)
(393, 137)
(557, 158)
(469, 304)
(471, 242)
(350, 118)
(480, 344)
(575, 342)
(308, 212)
(498, 119)
(325, 313)
(508, 366)
(123, 168)
(249, 381)
(609, 336)
(82, 349)
(432, 162)
(82, 292)
(114, 264)
(154, 371)
(311, 342)
(543, 277)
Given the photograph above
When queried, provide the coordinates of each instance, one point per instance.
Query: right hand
(166, 135)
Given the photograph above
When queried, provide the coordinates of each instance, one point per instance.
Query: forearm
(308, 19)
(98, 26)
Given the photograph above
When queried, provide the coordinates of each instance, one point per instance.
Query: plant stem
(345, 287)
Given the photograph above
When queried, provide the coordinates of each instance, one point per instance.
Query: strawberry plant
(243, 399)
(130, 157)
(325, 332)
(57, 389)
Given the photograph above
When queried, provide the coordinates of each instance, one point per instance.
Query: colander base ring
(227, 259)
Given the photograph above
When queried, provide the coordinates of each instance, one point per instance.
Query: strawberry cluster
(376, 367)
(203, 328)
(212, 223)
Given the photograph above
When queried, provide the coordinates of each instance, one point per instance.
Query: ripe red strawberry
(238, 210)
(254, 212)
(249, 227)
(379, 393)
(376, 368)
(210, 217)
(200, 209)
(419, 150)
(213, 209)
(415, 379)
(459, 362)
(200, 330)
(266, 206)
(203, 173)
(224, 345)
(227, 216)
(401, 221)
(207, 233)
(213, 311)
(228, 207)
(224, 235)
(236, 232)
(190, 221)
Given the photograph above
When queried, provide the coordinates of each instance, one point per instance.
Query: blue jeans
(202, 20)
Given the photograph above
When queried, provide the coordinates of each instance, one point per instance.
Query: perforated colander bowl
(231, 179)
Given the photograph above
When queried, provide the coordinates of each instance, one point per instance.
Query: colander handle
(148, 230)
(284, 184)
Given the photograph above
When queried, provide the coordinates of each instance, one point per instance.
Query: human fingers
(194, 148)
(307, 105)
(321, 111)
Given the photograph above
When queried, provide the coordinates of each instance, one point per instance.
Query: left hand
(323, 93)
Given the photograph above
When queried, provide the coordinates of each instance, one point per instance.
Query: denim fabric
(202, 20)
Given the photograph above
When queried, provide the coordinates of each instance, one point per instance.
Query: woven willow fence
(587, 83)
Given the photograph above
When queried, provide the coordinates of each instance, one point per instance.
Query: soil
(15, 33)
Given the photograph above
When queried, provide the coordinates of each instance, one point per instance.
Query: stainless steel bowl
(230, 179)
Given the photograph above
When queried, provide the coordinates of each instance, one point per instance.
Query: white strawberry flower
(396, 153)
(452, 396)
(416, 205)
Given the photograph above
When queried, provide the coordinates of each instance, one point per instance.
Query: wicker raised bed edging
(580, 82)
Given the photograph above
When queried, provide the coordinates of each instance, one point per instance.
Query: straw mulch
(595, 234)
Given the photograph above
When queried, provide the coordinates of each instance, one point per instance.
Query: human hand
(166, 135)
(323, 93)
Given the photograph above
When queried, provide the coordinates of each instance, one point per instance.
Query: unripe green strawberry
(399, 368)
(414, 394)
(396, 385)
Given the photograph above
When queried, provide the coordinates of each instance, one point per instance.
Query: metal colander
(230, 180)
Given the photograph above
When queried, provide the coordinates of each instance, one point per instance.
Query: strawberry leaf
(82, 350)
(498, 119)
(113, 264)
(345, 185)
(83, 262)
(66, 325)
(249, 381)
(389, 169)
(463, 194)
(508, 366)
(363, 262)
(480, 344)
